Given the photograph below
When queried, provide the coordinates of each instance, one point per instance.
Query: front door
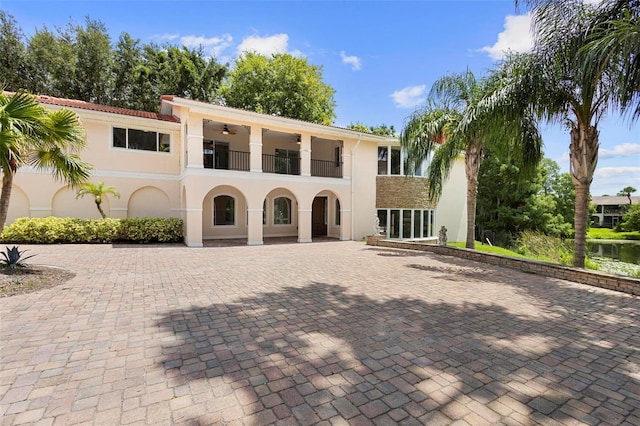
(319, 216)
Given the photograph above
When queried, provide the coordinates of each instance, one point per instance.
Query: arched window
(337, 212)
(224, 210)
(282, 211)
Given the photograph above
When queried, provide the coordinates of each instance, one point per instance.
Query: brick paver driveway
(331, 333)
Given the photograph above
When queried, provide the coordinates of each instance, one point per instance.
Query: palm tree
(616, 39)
(99, 193)
(463, 115)
(626, 192)
(31, 134)
(563, 87)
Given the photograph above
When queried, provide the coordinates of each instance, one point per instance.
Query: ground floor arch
(326, 215)
(224, 213)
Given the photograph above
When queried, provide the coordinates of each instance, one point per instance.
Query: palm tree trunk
(584, 158)
(472, 161)
(104, 216)
(7, 185)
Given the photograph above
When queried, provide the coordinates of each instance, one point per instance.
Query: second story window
(389, 160)
(141, 140)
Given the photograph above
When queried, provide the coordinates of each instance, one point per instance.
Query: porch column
(193, 232)
(304, 225)
(346, 159)
(192, 218)
(345, 225)
(194, 141)
(255, 153)
(305, 155)
(255, 237)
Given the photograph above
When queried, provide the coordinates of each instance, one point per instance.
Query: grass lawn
(610, 234)
(490, 249)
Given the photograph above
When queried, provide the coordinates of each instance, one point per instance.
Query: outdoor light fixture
(298, 140)
(225, 130)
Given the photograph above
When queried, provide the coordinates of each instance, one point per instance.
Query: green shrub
(51, 230)
(546, 248)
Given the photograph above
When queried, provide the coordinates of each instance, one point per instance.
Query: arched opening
(280, 214)
(326, 215)
(224, 214)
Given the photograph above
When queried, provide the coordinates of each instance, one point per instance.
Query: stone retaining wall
(583, 276)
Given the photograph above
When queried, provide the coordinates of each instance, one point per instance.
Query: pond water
(627, 252)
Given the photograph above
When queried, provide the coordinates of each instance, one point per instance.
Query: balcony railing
(326, 168)
(280, 164)
(226, 160)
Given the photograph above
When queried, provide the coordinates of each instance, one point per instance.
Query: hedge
(52, 230)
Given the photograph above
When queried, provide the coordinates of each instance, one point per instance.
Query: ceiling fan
(225, 130)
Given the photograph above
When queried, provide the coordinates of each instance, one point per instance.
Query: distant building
(610, 209)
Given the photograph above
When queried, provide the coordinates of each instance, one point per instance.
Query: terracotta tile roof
(73, 103)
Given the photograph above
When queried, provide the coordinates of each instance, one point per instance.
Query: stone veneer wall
(583, 276)
(402, 192)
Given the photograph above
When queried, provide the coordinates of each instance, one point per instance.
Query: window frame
(290, 206)
(235, 212)
(158, 138)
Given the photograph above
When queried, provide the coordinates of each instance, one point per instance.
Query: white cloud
(277, 43)
(624, 150)
(213, 46)
(165, 36)
(409, 96)
(609, 180)
(611, 172)
(516, 37)
(354, 61)
(563, 159)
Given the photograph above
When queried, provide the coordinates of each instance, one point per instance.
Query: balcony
(324, 168)
(280, 164)
(224, 159)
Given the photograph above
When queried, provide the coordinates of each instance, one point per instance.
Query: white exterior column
(345, 224)
(192, 218)
(305, 155)
(255, 150)
(255, 231)
(304, 225)
(194, 141)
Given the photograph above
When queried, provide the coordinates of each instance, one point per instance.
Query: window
(407, 223)
(207, 154)
(287, 162)
(282, 211)
(224, 210)
(141, 140)
(337, 157)
(395, 161)
(337, 212)
(383, 153)
(389, 160)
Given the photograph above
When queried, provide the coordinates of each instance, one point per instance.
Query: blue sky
(381, 57)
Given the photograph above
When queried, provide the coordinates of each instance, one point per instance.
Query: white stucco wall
(451, 211)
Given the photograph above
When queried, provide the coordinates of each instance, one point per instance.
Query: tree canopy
(80, 62)
(282, 85)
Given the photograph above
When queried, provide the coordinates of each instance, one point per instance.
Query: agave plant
(13, 257)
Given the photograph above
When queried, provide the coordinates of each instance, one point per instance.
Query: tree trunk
(7, 185)
(472, 160)
(104, 216)
(583, 153)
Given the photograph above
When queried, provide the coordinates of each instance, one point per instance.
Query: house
(610, 209)
(236, 174)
